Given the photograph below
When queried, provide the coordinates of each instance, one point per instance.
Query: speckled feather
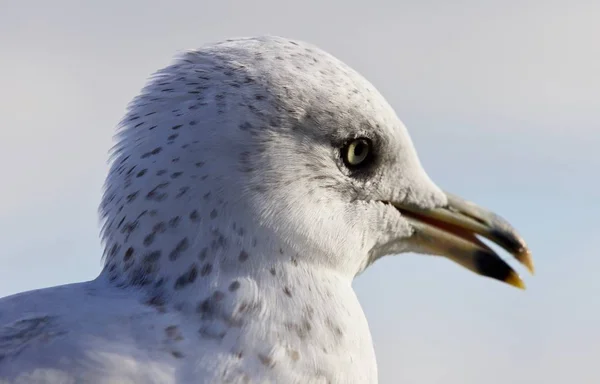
(232, 230)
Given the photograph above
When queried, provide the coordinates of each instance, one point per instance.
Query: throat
(241, 291)
(284, 319)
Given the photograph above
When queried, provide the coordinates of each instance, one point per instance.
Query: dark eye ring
(357, 152)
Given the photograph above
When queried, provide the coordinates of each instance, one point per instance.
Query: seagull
(251, 181)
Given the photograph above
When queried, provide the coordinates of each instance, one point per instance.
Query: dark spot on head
(204, 306)
(154, 194)
(174, 222)
(159, 227)
(309, 312)
(234, 286)
(301, 329)
(175, 175)
(173, 333)
(182, 191)
(208, 307)
(219, 241)
(334, 327)
(294, 355)
(206, 269)
(208, 332)
(287, 291)
(177, 354)
(128, 254)
(202, 254)
(194, 216)
(176, 127)
(156, 301)
(155, 151)
(187, 278)
(265, 360)
(160, 282)
(142, 276)
(243, 256)
(149, 239)
(179, 248)
(131, 197)
(142, 173)
(245, 126)
(272, 270)
(213, 214)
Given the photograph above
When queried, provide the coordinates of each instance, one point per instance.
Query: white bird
(251, 181)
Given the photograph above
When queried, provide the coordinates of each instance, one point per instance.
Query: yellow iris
(357, 151)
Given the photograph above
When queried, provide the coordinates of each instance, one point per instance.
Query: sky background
(502, 100)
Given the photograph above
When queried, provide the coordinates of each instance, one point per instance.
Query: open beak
(451, 231)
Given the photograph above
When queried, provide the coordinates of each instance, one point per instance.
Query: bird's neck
(282, 320)
(288, 320)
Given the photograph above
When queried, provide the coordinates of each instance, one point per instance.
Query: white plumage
(234, 222)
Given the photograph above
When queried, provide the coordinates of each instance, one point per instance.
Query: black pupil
(359, 148)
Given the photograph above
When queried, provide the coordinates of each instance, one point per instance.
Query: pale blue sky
(502, 100)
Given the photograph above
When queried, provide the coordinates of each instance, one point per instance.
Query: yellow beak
(451, 231)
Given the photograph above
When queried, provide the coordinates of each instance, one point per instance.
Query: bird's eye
(357, 152)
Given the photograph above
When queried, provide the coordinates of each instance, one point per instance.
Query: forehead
(299, 79)
(275, 59)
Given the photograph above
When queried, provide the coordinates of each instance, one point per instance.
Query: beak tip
(526, 259)
(515, 280)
